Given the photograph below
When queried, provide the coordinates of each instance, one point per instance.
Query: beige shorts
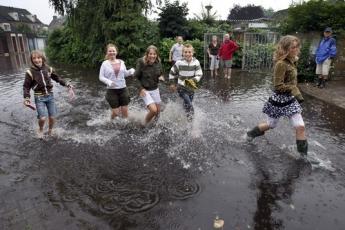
(152, 96)
(323, 68)
(214, 62)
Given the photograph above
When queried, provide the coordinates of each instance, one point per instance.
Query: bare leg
(41, 123)
(51, 125)
(300, 133)
(263, 127)
(153, 111)
(124, 111)
(229, 73)
(225, 72)
(114, 113)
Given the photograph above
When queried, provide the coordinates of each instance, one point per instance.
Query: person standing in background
(212, 51)
(325, 52)
(175, 53)
(226, 51)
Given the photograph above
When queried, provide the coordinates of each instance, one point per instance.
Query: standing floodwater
(102, 174)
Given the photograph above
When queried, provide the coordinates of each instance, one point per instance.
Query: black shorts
(117, 97)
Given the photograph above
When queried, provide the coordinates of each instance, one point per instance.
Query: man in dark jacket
(324, 55)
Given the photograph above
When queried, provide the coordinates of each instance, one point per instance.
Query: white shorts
(323, 68)
(152, 96)
(296, 120)
(214, 62)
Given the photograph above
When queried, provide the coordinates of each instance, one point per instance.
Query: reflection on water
(18, 62)
(174, 174)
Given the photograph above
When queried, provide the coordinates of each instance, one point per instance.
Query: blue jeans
(44, 103)
(187, 97)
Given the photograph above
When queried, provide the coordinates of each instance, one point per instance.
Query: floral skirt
(281, 105)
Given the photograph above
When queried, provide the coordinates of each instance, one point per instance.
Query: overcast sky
(45, 13)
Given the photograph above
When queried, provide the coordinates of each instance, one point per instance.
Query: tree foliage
(66, 6)
(93, 24)
(206, 15)
(246, 13)
(173, 19)
(314, 15)
(268, 12)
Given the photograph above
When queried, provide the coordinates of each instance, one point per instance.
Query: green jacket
(147, 74)
(285, 77)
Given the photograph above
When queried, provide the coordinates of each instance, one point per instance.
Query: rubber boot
(323, 83)
(255, 132)
(318, 82)
(302, 147)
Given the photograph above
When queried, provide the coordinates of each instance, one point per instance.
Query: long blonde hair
(106, 50)
(283, 47)
(151, 47)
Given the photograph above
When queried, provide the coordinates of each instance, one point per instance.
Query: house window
(31, 17)
(14, 43)
(6, 26)
(14, 15)
(21, 42)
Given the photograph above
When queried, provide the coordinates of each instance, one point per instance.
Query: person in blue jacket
(324, 55)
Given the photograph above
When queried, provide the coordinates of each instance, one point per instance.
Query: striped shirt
(183, 70)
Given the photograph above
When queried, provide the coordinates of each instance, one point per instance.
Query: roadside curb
(333, 93)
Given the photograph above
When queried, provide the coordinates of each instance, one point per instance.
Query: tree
(314, 16)
(66, 6)
(92, 24)
(173, 19)
(207, 16)
(246, 13)
(268, 12)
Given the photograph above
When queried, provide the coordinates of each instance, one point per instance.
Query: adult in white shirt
(176, 51)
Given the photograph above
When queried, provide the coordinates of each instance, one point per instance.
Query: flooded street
(102, 174)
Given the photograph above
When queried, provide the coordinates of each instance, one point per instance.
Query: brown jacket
(285, 77)
(40, 80)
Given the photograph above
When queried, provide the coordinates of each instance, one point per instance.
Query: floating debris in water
(218, 223)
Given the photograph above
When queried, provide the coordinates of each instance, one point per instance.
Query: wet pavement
(98, 174)
(333, 93)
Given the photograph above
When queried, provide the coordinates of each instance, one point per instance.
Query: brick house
(20, 33)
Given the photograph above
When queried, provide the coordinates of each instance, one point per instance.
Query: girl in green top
(149, 72)
(286, 98)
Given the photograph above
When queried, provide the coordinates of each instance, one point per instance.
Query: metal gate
(207, 41)
(257, 49)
